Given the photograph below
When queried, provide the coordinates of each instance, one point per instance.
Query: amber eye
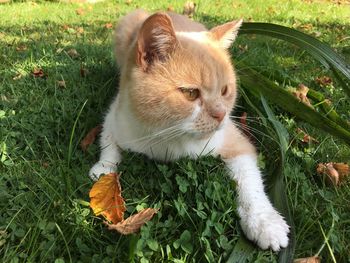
(190, 93)
(224, 90)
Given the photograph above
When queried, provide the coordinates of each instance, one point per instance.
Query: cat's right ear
(156, 40)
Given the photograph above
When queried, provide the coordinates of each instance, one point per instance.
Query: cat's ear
(226, 33)
(156, 40)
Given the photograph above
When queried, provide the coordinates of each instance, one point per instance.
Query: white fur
(122, 129)
(259, 220)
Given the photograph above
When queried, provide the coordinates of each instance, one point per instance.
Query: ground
(51, 96)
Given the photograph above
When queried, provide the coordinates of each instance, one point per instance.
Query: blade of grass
(70, 148)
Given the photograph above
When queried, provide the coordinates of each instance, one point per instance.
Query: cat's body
(176, 92)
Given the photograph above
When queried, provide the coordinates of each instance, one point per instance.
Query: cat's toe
(101, 168)
(268, 229)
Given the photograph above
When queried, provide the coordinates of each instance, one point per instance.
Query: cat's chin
(204, 134)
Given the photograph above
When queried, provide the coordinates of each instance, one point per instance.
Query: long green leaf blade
(257, 84)
(321, 51)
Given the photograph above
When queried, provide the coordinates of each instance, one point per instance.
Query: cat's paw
(267, 228)
(101, 168)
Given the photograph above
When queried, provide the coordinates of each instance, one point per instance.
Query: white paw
(266, 227)
(101, 168)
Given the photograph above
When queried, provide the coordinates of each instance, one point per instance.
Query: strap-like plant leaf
(276, 182)
(258, 84)
(321, 51)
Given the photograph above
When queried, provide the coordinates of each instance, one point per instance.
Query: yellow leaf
(133, 223)
(314, 259)
(106, 198)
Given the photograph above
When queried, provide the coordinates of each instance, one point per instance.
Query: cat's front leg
(259, 220)
(110, 153)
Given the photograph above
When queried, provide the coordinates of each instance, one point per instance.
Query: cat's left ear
(225, 34)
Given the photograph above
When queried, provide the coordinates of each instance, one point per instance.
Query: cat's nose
(219, 115)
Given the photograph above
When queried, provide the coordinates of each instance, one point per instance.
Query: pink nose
(218, 115)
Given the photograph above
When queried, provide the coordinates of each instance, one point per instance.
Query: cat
(177, 89)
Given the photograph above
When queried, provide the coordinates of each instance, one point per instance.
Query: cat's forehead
(203, 65)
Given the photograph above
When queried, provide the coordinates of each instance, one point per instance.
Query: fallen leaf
(314, 259)
(343, 169)
(90, 137)
(79, 11)
(80, 30)
(189, 8)
(21, 47)
(65, 27)
(83, 71)
(105, 198)
(336, 172)
(38, 73)
(108, 25)
(307, 26)
(332, 176)
(73, 53)
(301, 94)
(133, 223)
(306, 138)
(324, 81)
(61, 83)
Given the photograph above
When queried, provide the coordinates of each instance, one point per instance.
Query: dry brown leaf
(90, 137)
(38, 73)
(21, 47)
(189, 8)
(105, 198)
(73, 53)
(80, 30)
(79, 11)
(336, 172)
(133, 223)
(83, 72)
(324, 81)
(343, 169)
(65, 27)
(301, 94)
(108, 25)
(61, 83)
(332, 176)
(306, 137)
(314, 259)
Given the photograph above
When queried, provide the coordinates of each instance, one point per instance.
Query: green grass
(44, 215)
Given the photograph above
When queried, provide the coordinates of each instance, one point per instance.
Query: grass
(44, 214)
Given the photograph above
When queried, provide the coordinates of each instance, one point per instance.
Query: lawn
(57, 78)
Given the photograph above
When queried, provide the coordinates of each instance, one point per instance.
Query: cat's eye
(190, 93)
(224, 90)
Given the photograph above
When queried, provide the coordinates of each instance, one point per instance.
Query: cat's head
(183, 78)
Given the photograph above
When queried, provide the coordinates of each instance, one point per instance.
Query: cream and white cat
(176, 92)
